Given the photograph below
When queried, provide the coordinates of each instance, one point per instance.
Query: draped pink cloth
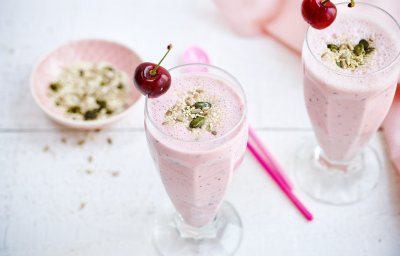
(279, 19)
(391, 131)
(282, 21)
(274, 18)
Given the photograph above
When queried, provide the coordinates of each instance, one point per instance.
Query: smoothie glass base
(172, 236)
(336, 183)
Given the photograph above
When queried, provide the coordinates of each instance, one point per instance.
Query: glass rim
(358, 75)
(229, 132)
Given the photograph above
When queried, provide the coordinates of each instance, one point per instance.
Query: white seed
(343, 63)
(196, 111)
(348, 60)
(350, 46)
(325, 55)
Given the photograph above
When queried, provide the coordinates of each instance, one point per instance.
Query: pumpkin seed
(333, 47)
(202, 105)
(359, 49)
(364, 43)
(198, 122)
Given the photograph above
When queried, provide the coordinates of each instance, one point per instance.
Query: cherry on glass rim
(319, 14)
(151, 79)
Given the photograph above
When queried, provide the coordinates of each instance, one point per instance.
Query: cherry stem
(153, 72)
(324, 2)
(351, 4)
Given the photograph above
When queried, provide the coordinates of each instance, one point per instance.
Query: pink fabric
(391, 131)
(247, 17)
(279, 19)
(288, 26)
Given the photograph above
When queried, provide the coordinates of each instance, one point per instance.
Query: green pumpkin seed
(55, 87)
(333, 47)
(364, 43)
(202, 105)
(102, 104)
(74, 110)
(91, 114)
(359, 49)
(198, 122)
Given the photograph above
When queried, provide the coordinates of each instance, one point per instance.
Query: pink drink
(196, 166)
(346, 106)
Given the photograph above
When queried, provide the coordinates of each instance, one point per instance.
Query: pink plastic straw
(303, 210)
(274, 166)
(195, 54)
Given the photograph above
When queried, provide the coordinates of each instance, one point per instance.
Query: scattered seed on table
(83, 205)
(109, 140)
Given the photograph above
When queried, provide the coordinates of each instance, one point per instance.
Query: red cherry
(151, 79)
(318, 13)
(152, 85)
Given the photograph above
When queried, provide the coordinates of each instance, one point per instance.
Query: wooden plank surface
(58, 202)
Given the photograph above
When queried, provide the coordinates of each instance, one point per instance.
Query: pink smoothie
(346, 106)
(196, 166)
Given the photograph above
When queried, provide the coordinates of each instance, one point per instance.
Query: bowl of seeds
(86, 84)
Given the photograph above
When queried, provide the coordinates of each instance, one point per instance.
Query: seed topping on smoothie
(194, 110)
(348, 55)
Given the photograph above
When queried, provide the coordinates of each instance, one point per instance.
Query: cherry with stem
(320, 14)
(152, 79)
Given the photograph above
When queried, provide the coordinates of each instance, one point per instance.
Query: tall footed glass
(197, 134)
(347, 104)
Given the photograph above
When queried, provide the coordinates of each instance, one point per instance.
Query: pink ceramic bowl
(50, 67)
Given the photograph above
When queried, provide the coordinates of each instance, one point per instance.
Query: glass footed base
(338, 185)
(222, 237)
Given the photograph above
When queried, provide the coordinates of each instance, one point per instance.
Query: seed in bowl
(90, 91)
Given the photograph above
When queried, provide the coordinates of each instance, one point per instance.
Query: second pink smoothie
(347, 104)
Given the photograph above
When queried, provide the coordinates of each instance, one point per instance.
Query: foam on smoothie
(222, 97)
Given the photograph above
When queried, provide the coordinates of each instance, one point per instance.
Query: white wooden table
(58, 203)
